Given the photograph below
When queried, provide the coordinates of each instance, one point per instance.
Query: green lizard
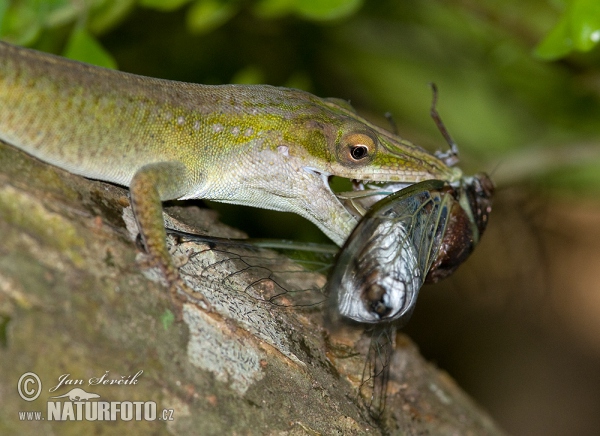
(260, 146)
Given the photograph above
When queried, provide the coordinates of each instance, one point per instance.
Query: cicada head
(467, 220)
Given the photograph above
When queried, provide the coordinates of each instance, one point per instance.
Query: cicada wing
(376, 372)
(263, 274)
(382, 265)
(393, 246)
(427, 226)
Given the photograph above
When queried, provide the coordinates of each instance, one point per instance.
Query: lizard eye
(359, 151)
(357, 148)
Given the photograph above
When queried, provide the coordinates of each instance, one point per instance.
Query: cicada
(419, 234)
(410, 236)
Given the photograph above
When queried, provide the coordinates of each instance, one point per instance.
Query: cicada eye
(357, 148)
(479, 191)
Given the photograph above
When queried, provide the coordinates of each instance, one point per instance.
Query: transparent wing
(276, 273)
(376, 372)
(380, 271)
(383, 264)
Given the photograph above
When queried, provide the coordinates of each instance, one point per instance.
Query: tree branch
(74, 300)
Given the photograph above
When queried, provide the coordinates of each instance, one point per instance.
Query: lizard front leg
(151, 185)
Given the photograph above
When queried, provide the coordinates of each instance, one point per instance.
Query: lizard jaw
(366, 193)
(347, 207)
(324, 208)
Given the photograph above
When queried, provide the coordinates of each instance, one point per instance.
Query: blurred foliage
(82, 46)
(518, 79)
(206, 15)
(519, 84)
(46, 23)
(578, 29)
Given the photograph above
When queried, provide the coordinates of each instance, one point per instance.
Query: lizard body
(255, 145)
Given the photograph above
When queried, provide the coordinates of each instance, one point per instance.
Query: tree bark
(76, 298)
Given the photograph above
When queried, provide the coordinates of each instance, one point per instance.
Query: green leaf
(108, 14)
(206, 15)
(326, 9)
(318, 10)
(556, 44)
(163, 5)
(60, 13)
(84, 47)
(585, 23)
(22, 22)
(578, 29)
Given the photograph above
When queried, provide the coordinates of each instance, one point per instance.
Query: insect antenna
(450, 157)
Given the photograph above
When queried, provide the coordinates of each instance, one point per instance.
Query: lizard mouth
(355, 195)
(364, 194)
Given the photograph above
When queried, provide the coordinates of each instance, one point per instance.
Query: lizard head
(331, 139)
(362, 151)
